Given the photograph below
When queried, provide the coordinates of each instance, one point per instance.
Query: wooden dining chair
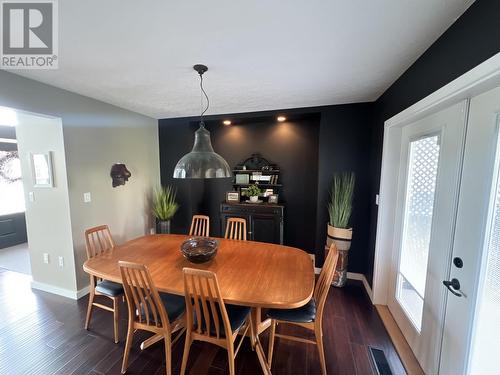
(309, 316)
(200, 226)
(97, 241)
(236, 229)
(149, 310)
(208, 318)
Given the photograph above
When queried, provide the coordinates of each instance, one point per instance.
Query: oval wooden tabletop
(250, 273)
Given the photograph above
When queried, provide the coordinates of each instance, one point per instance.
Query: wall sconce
(120, 174)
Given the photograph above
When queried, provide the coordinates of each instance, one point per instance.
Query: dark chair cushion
(109, 288)
(304, 314)
(174, 306)
(237, 316)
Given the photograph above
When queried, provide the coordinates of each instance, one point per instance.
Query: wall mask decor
(120, 174)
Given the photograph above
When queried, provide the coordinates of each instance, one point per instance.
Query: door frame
(482, 78)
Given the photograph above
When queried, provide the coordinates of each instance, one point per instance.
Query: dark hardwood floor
(43, 334)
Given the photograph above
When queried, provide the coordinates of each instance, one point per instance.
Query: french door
(444, 278)
(471, 341)
(427, 195)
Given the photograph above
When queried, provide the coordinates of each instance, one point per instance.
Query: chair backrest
(143, 300)
(236, 229)
(325, 279)
(98, 240)
(200, 226)
(204, 300)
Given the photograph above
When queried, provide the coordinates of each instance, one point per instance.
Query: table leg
(258, 346)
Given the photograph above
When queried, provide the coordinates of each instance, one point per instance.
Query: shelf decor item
(339, 210)
(256, 170)
(253, 192)
(273, 199)
(202, 161)
(164, 208)
(233, 197)
(242, 178)
(199, 249)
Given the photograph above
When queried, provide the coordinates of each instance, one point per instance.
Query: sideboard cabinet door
(264, 222)
(266, 228)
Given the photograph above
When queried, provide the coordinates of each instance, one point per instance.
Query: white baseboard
(362, 278)
(83, 292)
(354, 276)
(68, 293)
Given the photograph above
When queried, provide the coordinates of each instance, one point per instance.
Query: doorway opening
(14, 251)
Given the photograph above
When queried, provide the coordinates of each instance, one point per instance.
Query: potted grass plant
(164, 208)
(339, 231)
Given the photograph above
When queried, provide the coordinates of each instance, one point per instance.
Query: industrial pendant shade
(202, 161)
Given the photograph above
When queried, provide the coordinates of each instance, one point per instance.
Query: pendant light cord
(206, 96)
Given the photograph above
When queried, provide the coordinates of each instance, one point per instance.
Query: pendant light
(202, 161)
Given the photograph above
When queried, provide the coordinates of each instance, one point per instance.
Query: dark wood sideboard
(264, 221)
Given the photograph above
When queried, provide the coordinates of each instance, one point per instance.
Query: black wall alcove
(309, 147)
(293, 146)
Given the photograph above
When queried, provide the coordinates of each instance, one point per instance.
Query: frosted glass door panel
(417, 223)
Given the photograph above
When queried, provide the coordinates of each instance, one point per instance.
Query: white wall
(48, 221)
(90, 154)
(96, 135)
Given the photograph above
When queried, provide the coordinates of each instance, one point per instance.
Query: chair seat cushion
(237, 316)
(109, 288)
(175, 305)
(304, 314)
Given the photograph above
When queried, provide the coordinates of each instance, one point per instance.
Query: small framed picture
(41, 165)
(273, 198)
(233, 197)
(242, 178)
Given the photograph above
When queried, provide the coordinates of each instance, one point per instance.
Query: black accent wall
(472, 39)
(309, 147)
(329, 139)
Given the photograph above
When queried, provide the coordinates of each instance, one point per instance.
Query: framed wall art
(41, 166)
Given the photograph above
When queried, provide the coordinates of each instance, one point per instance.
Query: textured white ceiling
(261, 54)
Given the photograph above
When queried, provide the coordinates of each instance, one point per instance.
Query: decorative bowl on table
(199, 249)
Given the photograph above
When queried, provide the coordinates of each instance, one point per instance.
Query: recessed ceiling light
(281, 118)
(226, 122)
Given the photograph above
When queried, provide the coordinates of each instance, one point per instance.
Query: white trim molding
(83, 292)
(482, 78)
(354, 276)
(68, 293)
(362, 278)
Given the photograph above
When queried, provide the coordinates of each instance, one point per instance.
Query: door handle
(453, 286)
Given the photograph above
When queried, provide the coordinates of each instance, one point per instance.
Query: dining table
(255, 274)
